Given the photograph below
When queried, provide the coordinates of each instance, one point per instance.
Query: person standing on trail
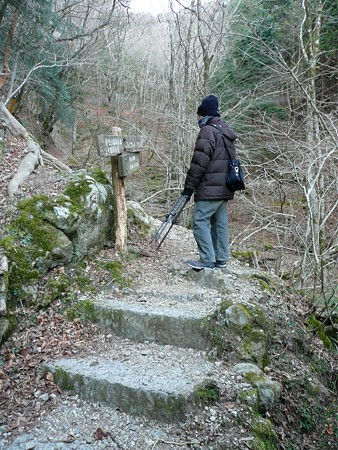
(206, 178)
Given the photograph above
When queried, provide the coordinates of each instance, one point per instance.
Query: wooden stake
(119, 206)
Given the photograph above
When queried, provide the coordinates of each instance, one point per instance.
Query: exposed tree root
(56, 162)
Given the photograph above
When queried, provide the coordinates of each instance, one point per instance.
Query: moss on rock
(54, 288)
(50, 232)
(238, 316)
(207, 393)
(32, 247)
(250, 397)
(254, 346)
(317, 327)
(99, 176)
(264, 433)
(82, 309)
(266, 281)
(115, 269)
(245, 256)
(22, 272)
(253, 330)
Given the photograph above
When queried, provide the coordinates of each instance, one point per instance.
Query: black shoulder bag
(235, 176)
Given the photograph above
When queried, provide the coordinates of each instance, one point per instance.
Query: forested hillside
(70, 71)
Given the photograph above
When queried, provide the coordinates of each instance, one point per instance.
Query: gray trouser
(211, 230)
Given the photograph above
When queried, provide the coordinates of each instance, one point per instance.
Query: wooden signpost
(124, 152)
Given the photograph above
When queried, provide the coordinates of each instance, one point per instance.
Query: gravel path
(160, 282)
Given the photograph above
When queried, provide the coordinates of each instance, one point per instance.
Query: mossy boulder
(32, 248)
(264, 434)
(268, 391)
(252, 332)
(267, 282)
(138, 220)
(58, 211)
(238, 316)
(254, 347)
(50, 232)
(248, 256)
(83, 212)
(91, 199)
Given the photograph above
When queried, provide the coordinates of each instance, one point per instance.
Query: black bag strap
(218, 128)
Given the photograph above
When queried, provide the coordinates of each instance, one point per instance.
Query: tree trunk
(310, 39)
(25, 168)
(11, 123)
(33, 152)
(119, 207)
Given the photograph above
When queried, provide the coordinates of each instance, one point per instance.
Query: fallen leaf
(329, 430)
(99, 434)
(49, 376)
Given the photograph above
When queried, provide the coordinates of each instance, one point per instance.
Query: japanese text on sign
(133, 143)
(109, 145)
(128, 163)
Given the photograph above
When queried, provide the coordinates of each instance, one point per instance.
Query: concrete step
(160, 382)
(162, 317)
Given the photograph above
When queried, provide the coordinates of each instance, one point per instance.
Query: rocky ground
(35, 414)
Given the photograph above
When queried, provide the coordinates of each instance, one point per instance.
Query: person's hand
(187, 192)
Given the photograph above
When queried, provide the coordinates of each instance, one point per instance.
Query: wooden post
(124, 153)
(119, 206)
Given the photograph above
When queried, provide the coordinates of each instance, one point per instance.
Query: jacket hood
(223, 127)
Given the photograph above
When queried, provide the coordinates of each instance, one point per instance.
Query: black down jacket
(209, 165)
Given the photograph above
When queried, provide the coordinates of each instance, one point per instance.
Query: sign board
(108, 145)
(133, 143)
(127, 163)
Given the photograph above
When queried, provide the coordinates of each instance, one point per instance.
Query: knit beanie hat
(209, 106)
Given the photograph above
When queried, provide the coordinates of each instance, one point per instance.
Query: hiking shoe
(221, 264)
(199, 265)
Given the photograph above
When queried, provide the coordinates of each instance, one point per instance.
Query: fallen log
(10, 122)
(33, 152)
(29, 162)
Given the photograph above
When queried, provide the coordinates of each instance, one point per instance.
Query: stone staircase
(158, 365)
(152, 378)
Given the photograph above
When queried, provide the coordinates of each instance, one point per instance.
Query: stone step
(160, 382)
(181, 320)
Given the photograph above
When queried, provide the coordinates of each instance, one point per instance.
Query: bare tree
(47, 65)
(294, 158)
(196, 35)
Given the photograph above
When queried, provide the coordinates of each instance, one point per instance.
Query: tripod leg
(171, 219)
(163, 238)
